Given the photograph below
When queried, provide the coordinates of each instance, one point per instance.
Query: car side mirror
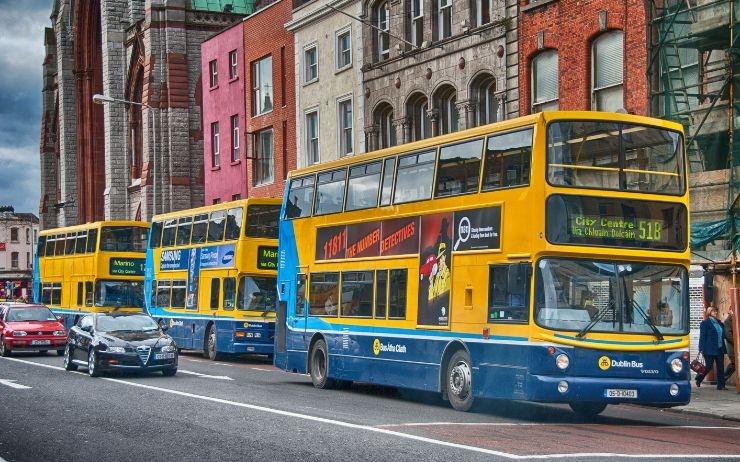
(60, 319)
(87, 329)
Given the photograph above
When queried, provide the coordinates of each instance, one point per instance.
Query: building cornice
(318, 14)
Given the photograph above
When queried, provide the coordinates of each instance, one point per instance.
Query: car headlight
(18, 333)
(168, 348)
(60, 333)
(676, 365)
(115, 349)
(562, 361)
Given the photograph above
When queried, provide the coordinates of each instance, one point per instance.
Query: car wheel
(68, 364)
(319, 366)
(169, 372)
(588, 410)
(92, 364)
(60, 352)
(210, 347)
(460, 381)
(4, 351)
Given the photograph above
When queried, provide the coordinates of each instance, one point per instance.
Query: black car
(120, 341)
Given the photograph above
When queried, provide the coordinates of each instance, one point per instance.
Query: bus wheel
(588, 410)
(460, 381)
(210, 347)
(319, 366)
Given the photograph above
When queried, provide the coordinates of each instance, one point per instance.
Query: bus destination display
(629, 228)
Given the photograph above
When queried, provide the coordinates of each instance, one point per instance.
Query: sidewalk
(709, 401)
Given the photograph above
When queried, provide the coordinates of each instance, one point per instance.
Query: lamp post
(105, 99)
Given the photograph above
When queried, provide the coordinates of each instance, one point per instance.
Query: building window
(13, 234)
(236, 197)
(264, 157)
(344, 124)
(216, 201)
(215, 148)
(311, 64)
(233, 65)
(14, 260)
(312, 137)
(608, 72)
(416, 31)
(28, 235)
(481, 12)
(28, 260)
(383, 118)
(382, 37)
(213, 68)
(483, 90)
(545, 82)
(445, 100)
(235, 137)
(444, 19)
(417, 109)
(344, 49)
(262, 86)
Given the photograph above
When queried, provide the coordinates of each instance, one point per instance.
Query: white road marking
(371, 429)
(265, 370)
(532, 424)
(17, 386)
(205, 376)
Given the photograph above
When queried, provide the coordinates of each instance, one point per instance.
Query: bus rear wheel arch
(318, 365)
(456, 377)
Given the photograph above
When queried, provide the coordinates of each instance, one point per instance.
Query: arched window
(444, 101)
(416, 111)
(383, 118)
(545, 82)
(607, 57)
(381, 18)
(135, 134)
(483, 90)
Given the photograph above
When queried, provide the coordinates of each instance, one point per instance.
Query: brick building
(116, 161)
(581, 55)
(18, 234)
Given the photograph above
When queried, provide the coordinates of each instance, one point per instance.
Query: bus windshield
(119, 293)
(611, 155)
(123, 239)
(612, 296)
(257, 293)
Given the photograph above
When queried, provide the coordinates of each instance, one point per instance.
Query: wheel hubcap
(460, 380)
(91, 363)
(212, 342)
(66, 356)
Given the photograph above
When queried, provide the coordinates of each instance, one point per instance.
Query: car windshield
(119, 294)
(38, 313)
(133, 323)
(584, 295)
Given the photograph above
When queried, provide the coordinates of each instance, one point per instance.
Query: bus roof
(93, 225)
(509, 124)
(220, 206)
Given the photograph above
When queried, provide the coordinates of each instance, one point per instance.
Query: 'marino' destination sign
(126, 266)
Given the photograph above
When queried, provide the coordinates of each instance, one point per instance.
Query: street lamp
(105, 99)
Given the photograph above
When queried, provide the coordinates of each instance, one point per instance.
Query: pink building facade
(224, 116)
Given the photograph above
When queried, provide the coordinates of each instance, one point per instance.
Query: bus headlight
(674, 389)
(562, 386)
(676, 366)
(562, 361)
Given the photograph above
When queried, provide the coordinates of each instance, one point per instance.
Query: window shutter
(545, 76)
(609, 60)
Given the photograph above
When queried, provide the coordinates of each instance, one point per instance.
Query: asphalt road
(245, 409)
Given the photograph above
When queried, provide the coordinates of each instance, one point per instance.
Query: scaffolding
(693, 74)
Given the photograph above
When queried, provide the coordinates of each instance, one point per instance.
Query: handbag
(697, 365)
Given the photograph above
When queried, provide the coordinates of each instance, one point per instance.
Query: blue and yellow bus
(210, 276)
(542, 258)
(93, 267)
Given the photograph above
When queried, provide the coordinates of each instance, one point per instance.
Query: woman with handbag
(712, 347)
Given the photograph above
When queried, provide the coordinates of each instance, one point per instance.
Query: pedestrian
(729, 341)
(712, 347)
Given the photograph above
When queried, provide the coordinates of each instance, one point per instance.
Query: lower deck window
(324, 294)
(508, 286)
(357, 294)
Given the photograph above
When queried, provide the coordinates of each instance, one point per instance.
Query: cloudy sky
(21, 56)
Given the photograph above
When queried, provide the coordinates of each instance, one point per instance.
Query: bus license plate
(617, 393)
(164, 356)
(40, 342)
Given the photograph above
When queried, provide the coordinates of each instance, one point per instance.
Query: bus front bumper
(655, 392)
(254, 348)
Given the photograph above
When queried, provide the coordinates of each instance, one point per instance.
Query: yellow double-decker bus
(93, 267)
(542, 258)
(210, 276)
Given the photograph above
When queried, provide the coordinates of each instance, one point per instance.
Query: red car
(26, 327)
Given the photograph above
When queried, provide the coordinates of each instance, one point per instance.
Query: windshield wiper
(649, 321)
(599, 314)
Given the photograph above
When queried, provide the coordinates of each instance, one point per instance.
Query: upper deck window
(123, 239)
(92, 240)
(300, 198)
(459, 168)
(508, 157)
(609, 155)
(184, 228)
(200, 229)
(414, 178)
(168, 233)
(217, 226)
(362, 189)
(81, 243)
(234, 223)
(156, 235)
(262, 221)
(330, 192)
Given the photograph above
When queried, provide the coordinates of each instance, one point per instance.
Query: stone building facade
(117, 161)
(435, 66)
(18, 234)
(328, 75)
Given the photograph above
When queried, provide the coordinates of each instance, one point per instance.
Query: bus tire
(459, 386)
(319, 366)
(210, 345)
(588, 410)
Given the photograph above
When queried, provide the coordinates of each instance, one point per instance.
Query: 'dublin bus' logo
(604, 363)
(376, 346)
